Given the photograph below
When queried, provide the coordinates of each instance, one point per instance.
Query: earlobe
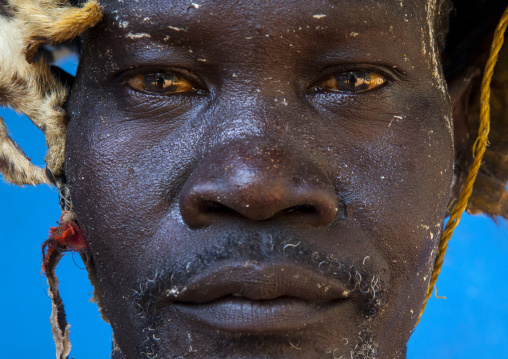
(460, 88)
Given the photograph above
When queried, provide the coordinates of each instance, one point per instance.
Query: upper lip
(258, 282)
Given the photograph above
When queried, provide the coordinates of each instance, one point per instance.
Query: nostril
(302, 209)
(216, 209)
(206, 204)
(213, 207)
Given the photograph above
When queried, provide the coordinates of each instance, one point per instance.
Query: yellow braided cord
(478, 151)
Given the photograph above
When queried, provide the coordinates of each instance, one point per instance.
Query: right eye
(356, 82)
(164, 83)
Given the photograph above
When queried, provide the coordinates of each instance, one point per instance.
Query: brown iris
(160, 82)
(352, 81)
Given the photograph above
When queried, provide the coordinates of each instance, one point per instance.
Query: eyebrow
(163, 35)
(168, 21)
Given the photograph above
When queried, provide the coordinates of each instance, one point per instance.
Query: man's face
(261, 179)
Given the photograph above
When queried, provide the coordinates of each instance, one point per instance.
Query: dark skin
(262, 180)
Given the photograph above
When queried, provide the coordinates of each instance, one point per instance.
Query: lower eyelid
(138, 98)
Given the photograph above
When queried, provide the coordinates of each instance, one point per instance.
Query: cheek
(402, 188)
(414, 165)
(394, 169)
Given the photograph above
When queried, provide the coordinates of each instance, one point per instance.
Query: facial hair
(364, 282)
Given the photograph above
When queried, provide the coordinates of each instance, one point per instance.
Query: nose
(257, 183)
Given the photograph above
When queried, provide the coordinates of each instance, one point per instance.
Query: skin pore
(264, 179)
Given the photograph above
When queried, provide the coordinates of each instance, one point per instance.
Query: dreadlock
(472, 25)
(28, 86)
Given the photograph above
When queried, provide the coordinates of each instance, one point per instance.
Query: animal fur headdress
(28, 85)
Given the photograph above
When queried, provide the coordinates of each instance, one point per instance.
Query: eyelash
(188, 76)
(386, 73)
(351, 82)
(199, 89)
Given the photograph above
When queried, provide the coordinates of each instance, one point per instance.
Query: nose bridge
(262, 164)
(256, 110)
(275, 81)
(257, 179)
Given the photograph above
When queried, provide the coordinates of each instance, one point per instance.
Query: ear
(460, 88)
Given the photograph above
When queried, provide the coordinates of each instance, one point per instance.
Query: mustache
(365, 284)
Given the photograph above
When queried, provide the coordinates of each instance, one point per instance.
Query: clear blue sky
(471, 323)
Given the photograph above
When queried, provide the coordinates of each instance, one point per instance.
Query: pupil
(160, 80)
(352, 80)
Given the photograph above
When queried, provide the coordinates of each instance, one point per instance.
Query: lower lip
(241, 315)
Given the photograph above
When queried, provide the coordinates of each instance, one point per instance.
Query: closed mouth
(242, 315)
(257, 299)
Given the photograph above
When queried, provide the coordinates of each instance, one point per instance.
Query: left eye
(160, 82)
(352, 82)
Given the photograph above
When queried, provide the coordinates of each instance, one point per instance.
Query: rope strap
(478, 151)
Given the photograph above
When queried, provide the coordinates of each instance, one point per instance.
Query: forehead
(268, 9)
(277, 32)
(212, 19)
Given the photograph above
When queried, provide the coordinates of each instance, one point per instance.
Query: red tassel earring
(63, 238)
(66, 237)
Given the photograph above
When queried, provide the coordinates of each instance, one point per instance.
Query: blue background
(471, 323)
